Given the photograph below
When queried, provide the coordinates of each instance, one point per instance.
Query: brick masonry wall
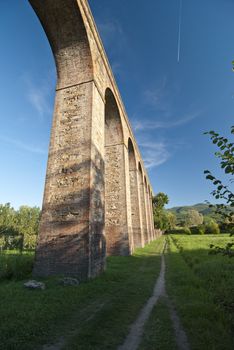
(94, 201)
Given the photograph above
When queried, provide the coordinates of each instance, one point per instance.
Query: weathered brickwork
(98, 198)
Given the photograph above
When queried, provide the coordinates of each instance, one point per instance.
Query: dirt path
(134, 338)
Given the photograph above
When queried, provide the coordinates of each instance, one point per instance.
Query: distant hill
(202, 208)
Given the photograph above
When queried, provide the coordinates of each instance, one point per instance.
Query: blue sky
(169, 103)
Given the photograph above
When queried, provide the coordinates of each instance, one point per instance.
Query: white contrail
(179, 36)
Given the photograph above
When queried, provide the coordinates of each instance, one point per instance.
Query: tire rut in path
(134, 337)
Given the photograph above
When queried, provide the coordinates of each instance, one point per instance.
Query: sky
(170, 102)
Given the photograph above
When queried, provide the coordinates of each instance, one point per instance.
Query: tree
(162, 220)
(160, 200)
(18, 229)
(27, 222)
(222, 191)
(7, 225)
(191, 218)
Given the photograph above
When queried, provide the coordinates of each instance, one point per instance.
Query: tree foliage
(18, 228)
(222, 191)
(191, 218)
(163, 219)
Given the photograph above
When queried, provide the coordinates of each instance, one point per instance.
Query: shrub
(180, 231)
(197, 230)
(212, 228)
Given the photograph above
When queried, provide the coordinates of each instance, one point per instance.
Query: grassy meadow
(98, 314)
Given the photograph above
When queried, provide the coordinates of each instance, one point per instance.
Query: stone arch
(134, 196)
(71, 235)
(142, 206)
(65, 29)
(116, 218)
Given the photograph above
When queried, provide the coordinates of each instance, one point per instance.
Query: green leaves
(222, 192)
(18, 228)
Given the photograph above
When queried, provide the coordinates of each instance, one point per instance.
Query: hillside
(202, 208)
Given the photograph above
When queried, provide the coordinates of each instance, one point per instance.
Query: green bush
(212, 228)
(180, 231)
(197, 230)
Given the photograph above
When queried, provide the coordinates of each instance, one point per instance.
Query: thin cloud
(21, 145)
(140, 125)
(109, 30)
(154, 153)
(39, 94)
(154, 97)
(114, 40)
(39, 101)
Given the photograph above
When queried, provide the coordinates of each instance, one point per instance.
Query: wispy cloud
(154, 153)
(139, 125)
(21, 145)
(154, 96)
(39, 93)
(109, 30)
(114, 40)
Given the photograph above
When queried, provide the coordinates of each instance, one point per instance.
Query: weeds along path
(134, 338)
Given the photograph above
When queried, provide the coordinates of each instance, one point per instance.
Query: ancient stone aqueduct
(98, 197)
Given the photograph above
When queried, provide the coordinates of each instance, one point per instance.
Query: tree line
(189, 220)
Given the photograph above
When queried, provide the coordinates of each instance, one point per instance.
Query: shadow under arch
(116, 222)
(134, 196)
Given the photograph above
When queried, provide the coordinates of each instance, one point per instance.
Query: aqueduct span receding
(98, 197)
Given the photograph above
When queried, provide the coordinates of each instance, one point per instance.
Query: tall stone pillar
(135, 198)
(151, 215)
(118, 228)
(147, 212)
(142, 205)
(71, 235)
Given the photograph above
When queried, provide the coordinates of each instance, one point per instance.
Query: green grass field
(94, 315)
(202, 289)
(98, 314)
